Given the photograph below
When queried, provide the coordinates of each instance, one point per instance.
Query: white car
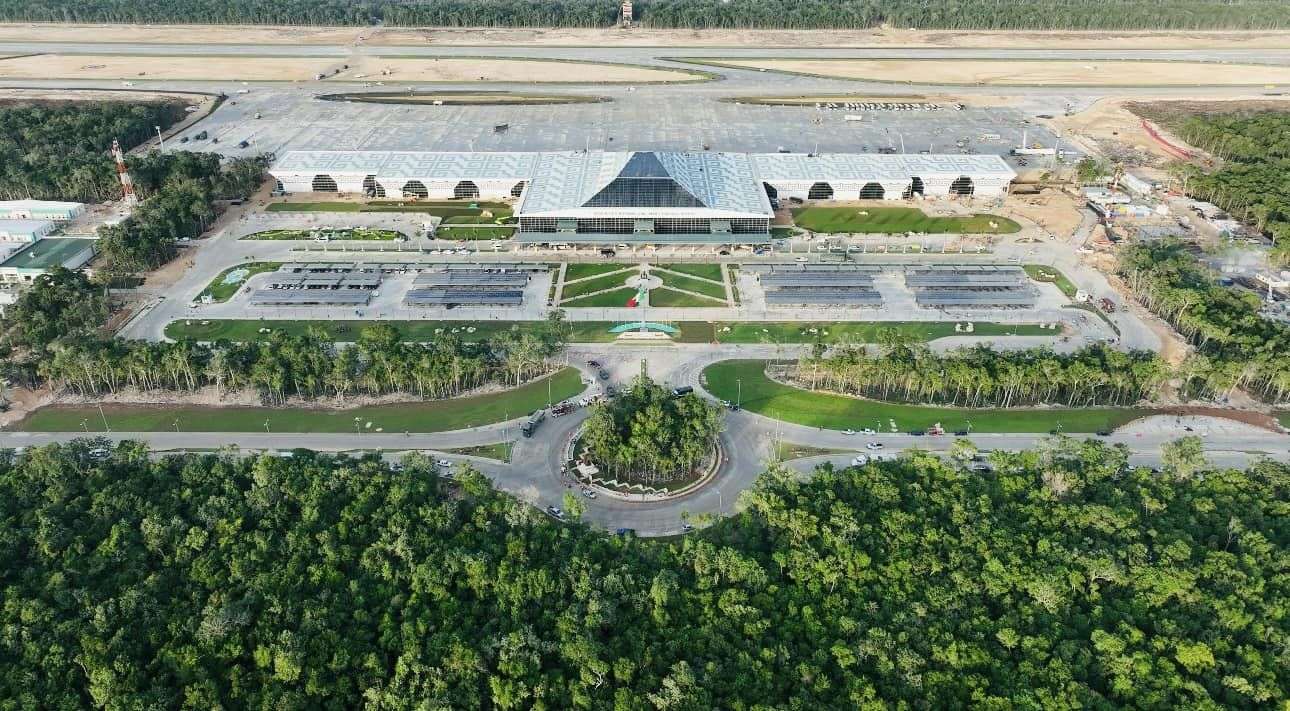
(800, 259)
(873, 445)
(859, 460)
(589, 493)
(443, 464)
(848, 432)
(868, 431)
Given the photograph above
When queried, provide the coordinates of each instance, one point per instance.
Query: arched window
(820, 191)
(465, 189)
(277, 185)
(872, 191)
(324, 184)
(962, 186)
(518, 190)
(371, 188)
(915, 187)
(415, 189)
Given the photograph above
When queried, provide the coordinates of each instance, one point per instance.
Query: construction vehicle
(531, 425)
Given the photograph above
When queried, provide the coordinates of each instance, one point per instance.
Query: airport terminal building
(642, 196)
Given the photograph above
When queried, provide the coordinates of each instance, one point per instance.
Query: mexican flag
(636, 298)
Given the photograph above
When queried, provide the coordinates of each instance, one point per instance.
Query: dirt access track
(1013, 72)
(636, 37)
(389, 69)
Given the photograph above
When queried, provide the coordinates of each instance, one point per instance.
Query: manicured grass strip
(583, 271)
(607, 299)
(837, 412)
(863, 331)
(675, 299)
(1050, 275)
(592, 331)
(222, 291)
(469, 233)
(785, 451)
(896, 219)
(1284, 418)
(703, 271)
(501, 451)
(600, 283)
(698, 286)
(357, 233)
(430, 416)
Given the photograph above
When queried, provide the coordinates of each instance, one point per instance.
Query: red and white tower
(127, 184)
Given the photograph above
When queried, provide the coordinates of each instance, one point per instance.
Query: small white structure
(52, 210)
(1104, 196)
(24, 231)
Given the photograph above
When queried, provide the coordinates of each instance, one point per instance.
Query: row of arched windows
(875, 191)
(463, 190)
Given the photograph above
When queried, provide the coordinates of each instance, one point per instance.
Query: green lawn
(430, 416)
(698, 286)
(600, 283)
(500, 451)
(782, 232)
(680, 299)
(703, 271)
(896, 220)
(1049, 275)
(590, 331)
(357, 233)
(766, 397)
(222, 289)
(469, 233)
(610, 299)
(1284, 418)
(583, 271)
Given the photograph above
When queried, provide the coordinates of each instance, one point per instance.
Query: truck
(1107, 305)
(532, 424)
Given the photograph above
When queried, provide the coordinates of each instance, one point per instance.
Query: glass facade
(643, 192)
(662, 226)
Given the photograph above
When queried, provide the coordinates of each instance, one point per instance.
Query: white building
(652, 196)
(24, 231)
(51, 210)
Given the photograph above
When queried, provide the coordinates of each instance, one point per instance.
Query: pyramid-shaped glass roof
(644, 181)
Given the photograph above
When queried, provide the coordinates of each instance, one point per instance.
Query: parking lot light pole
(739, 392)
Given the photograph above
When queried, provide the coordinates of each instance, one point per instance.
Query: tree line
(906, 371)
(1235, 346)
(1062, 578)
(1253, 180)
(62, 151)
(648, 435)
(178, 193)
(693, 14)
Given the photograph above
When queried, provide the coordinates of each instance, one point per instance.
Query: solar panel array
(468, 287)
(310, 297)
(970, 286)
(318, 282)
(820, 285)
(825, 297)
(780, 280)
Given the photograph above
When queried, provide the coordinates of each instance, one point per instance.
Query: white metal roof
(874, 166)
(401, 164)
(6, 205)
(24, 227)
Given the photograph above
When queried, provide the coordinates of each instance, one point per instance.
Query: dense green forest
(701, 14)
(1063, 579)
(647, 435)
(62, 151)
(1235, 346)
(1253, 181)
(982, 377)
(178, 191)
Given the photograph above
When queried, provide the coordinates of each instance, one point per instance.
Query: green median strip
(345, 234)
(1049, 275)
(894, 220)
(769, 332)
(746, 381)
(426, 416)
(226, 283)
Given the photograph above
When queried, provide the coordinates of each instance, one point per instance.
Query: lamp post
(161, 145)
(739, 392)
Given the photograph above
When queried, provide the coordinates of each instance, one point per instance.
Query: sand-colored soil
(226, 68)
(1109, 129)
(1028, 73)
(220, 34)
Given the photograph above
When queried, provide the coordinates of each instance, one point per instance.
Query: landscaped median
(746, 381)
(423, 416)
(361, 234)
(767, 332)
(897, 220)
(226, 283)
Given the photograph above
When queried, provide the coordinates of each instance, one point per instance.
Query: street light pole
(161, 144)
(739, 392)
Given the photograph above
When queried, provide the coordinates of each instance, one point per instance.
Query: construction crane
(127, 184)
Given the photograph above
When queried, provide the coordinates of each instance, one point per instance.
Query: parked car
(556, 512)
(589, 493)
(859, 460)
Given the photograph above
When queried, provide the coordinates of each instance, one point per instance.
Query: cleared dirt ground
(1028, 73)
(879, 37)
(225, 68)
